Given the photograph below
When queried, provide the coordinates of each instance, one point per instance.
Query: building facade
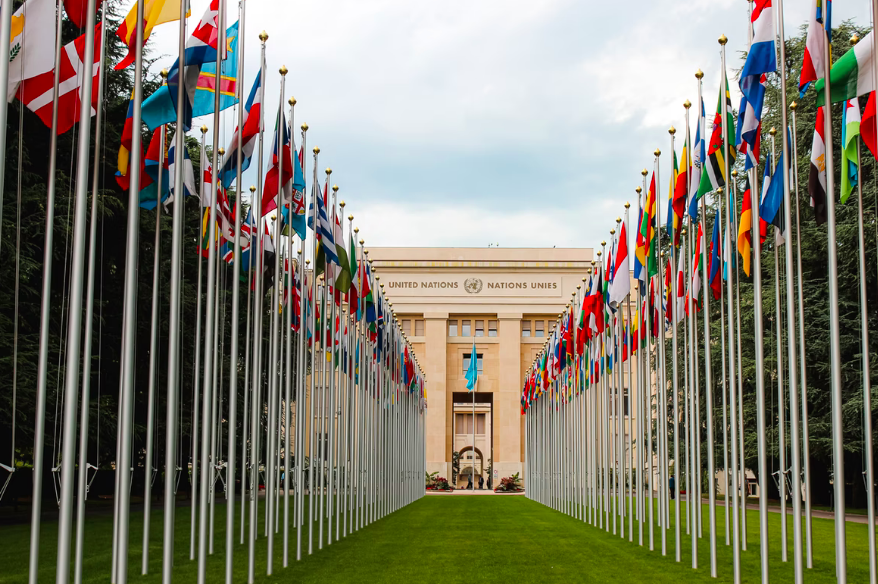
(506, 301)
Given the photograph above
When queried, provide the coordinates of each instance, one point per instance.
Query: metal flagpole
(306, 324)
(691, 357)
(233, 350)
(46, 295)
(129, 318)
(290, 282)
(207, 473)
(662, 383)
(174, 320)
(196, 380)
(74, 326)
(5, 40)
(330, 422)
(630, 341)
(867, 387)
(675, 382)
(153, 359)
(82, 477)
(257, 255)
(247, 386)
(805, 472)
(781, 479)
(315, 193)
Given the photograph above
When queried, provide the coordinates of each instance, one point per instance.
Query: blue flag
(472, 373)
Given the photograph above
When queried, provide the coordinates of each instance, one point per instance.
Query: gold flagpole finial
(334, 188)
(719, 190)
(263, 36)
(672, 130)
(164, 73)
(221, 151)
(699, 74)
(627, 205)
(619, 219)
(204, 129)
(292, 101)
(644, 172)
(773, 131)
(793, 106)
(283, 70)
(734, 174)
(612, 232)
(317, 150)
(304, 127)
(361, 241)
(342, 204)
(722, 39)
(687, 104)
(855, 39)
(252, 189)
(638, 190)
(328, 171)
(657, 152)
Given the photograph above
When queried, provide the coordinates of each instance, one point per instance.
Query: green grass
(449, 539)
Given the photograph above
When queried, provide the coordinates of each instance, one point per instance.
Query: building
(506, 300)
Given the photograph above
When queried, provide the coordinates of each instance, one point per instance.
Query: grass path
(448, 539)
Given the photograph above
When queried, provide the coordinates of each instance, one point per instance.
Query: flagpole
(290, 294)
(247, 387)
(316, 338)
(257, 255)
(305, 325)
(129, 318)
(330, 422)
(46, 295)
(5, 41)
(806, 463)
(82, 478)
(867, 387)
(153, 358)
(630, 341)
(74, 326)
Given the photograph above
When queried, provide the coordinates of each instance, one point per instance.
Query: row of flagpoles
(582, 456)
(334, 399)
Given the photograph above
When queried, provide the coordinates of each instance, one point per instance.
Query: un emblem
(472, 285)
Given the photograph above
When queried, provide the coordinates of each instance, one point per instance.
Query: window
(480, 363)
(419, 328)
(625, 403)
(406, 326)
(539, 328)
(452, 328)
(464, 425)
(525, 328)
(465, 330)
(480, 328)
(492, 328)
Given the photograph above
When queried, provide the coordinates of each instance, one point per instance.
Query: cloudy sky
(468, 123)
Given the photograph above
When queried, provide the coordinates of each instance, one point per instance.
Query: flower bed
(510, 485)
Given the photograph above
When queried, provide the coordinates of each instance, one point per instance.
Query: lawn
(442, 539)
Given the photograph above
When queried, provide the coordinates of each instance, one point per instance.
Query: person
(481, 483)
(489, 483)
(469, 483)
(671, 485)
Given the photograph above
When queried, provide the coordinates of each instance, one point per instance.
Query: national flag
(37, 92)
(680, 306)
(668, 305)
(646, 235)
(713, 175)
(817, 173)
(188, 170)
(670, 217)
(472, 372)
(714, 280)
(77, 11)
(31, 42)
(155, 165)
(852, 75)
(155, 12)
(770, 211)
(249, 130)
(621, 286)
(323, 229)
(161, 107)
(343, 275)
(867, 127)
(812, 63)
(270, 190)
(850, 130)
(699, 155)
(745, 228)
(697, 267)
(354, 293)
(749, 130)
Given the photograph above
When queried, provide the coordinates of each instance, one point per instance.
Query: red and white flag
(817, 173)
(37, 92)
(621, 284)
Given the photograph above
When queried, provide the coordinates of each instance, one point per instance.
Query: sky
(489, 122)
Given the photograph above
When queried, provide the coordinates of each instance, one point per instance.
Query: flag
(749, 130)
(850, 129)
(270, 190)
(621, 285)
(680, 305)
(161, 107)
(37, 92)
(677, 204)
(149, 194)
(713, 174)
(670, 221)
(646, 235)
(697, 266)
(323, 230)
(155, 12)
(188, 170)
(817, 173)
(354, 294)
(77, 11)
(343, 275)
(699, 155)
(812, 63)
(745, 228)
(852, 75)
(714, 280)
(867, 127)
(31, 42)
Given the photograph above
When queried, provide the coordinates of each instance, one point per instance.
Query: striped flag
(713, 174)
(817, 173)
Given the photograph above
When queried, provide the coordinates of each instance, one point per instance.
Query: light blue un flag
(472, 374)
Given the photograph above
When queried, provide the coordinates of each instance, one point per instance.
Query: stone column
(507, 406)
(435, 341)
